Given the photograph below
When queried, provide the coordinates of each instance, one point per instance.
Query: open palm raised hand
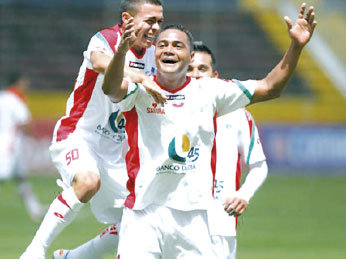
(302, 30)
(129, 34)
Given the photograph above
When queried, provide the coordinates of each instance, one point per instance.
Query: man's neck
(170, 81)
(138, 50)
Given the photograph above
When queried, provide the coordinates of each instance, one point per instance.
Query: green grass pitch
(289, 217)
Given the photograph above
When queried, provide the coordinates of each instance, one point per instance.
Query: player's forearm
(274, 83)
(255, 178)
(99, 61)
(113, 84)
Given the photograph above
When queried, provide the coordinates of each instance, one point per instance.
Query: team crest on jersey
(154, 109)
(137, 65)
(115, 129)
(180, 149)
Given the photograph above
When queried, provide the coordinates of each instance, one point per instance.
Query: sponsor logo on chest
(136, 65)
(154, 109)
(179, 100)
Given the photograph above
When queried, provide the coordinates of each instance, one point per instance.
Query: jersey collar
(187, 81)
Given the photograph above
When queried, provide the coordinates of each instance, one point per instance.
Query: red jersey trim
(252, 136)
(237, 183)
(144, 50)
(188, 80)
(132, 157)
(17, 93)
(81, 99)
(213, 153)
(111, 35)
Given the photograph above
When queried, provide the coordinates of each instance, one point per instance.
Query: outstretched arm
(301, 32)
(113, 84)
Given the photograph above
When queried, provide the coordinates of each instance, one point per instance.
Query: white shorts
(161, 232)
(224, 247)
(71, 156)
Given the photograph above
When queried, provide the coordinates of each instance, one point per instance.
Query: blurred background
(300, 211)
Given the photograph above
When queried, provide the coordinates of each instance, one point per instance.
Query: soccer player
(87, 146)
(170, 146)
(15, 125)
(238, 149)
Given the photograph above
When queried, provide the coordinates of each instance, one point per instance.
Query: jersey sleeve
(98, 43)
(234, 94)
(249, 143)
(128, 102)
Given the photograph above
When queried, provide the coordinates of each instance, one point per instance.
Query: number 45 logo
(117, 121)
(179, 150)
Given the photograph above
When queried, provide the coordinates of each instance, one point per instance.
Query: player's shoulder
(109, 35)
(11, 99)
(206, 82)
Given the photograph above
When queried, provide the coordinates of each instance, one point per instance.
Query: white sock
(61, 212)
(106, 242)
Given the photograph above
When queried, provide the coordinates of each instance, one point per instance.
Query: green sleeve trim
(243, 88)
(133, 91)
(252, 142)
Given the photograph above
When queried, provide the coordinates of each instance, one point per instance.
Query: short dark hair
(201, 47)
(132, 6)
(183, 29)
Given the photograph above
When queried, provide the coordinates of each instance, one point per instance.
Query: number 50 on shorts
(71, 156)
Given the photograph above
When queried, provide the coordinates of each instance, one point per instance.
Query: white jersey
(238, 145)
(90, 115)
(14, 113)
(169, 161)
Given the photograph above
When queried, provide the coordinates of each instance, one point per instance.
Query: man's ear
(215, 74)
(192, 55)
(125, 16)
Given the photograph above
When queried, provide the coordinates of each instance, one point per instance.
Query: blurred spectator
(15, 119)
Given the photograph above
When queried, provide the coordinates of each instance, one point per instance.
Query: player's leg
(11, 166)
(104, 243)
(106, 206)
(224, 247)
(79, 169)
(35, 209)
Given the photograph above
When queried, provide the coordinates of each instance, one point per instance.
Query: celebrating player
(169, 159)
(87, 144)
(238, 149)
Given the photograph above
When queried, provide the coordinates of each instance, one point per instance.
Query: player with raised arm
(87, 147)
(238, 150)
(170, 147)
